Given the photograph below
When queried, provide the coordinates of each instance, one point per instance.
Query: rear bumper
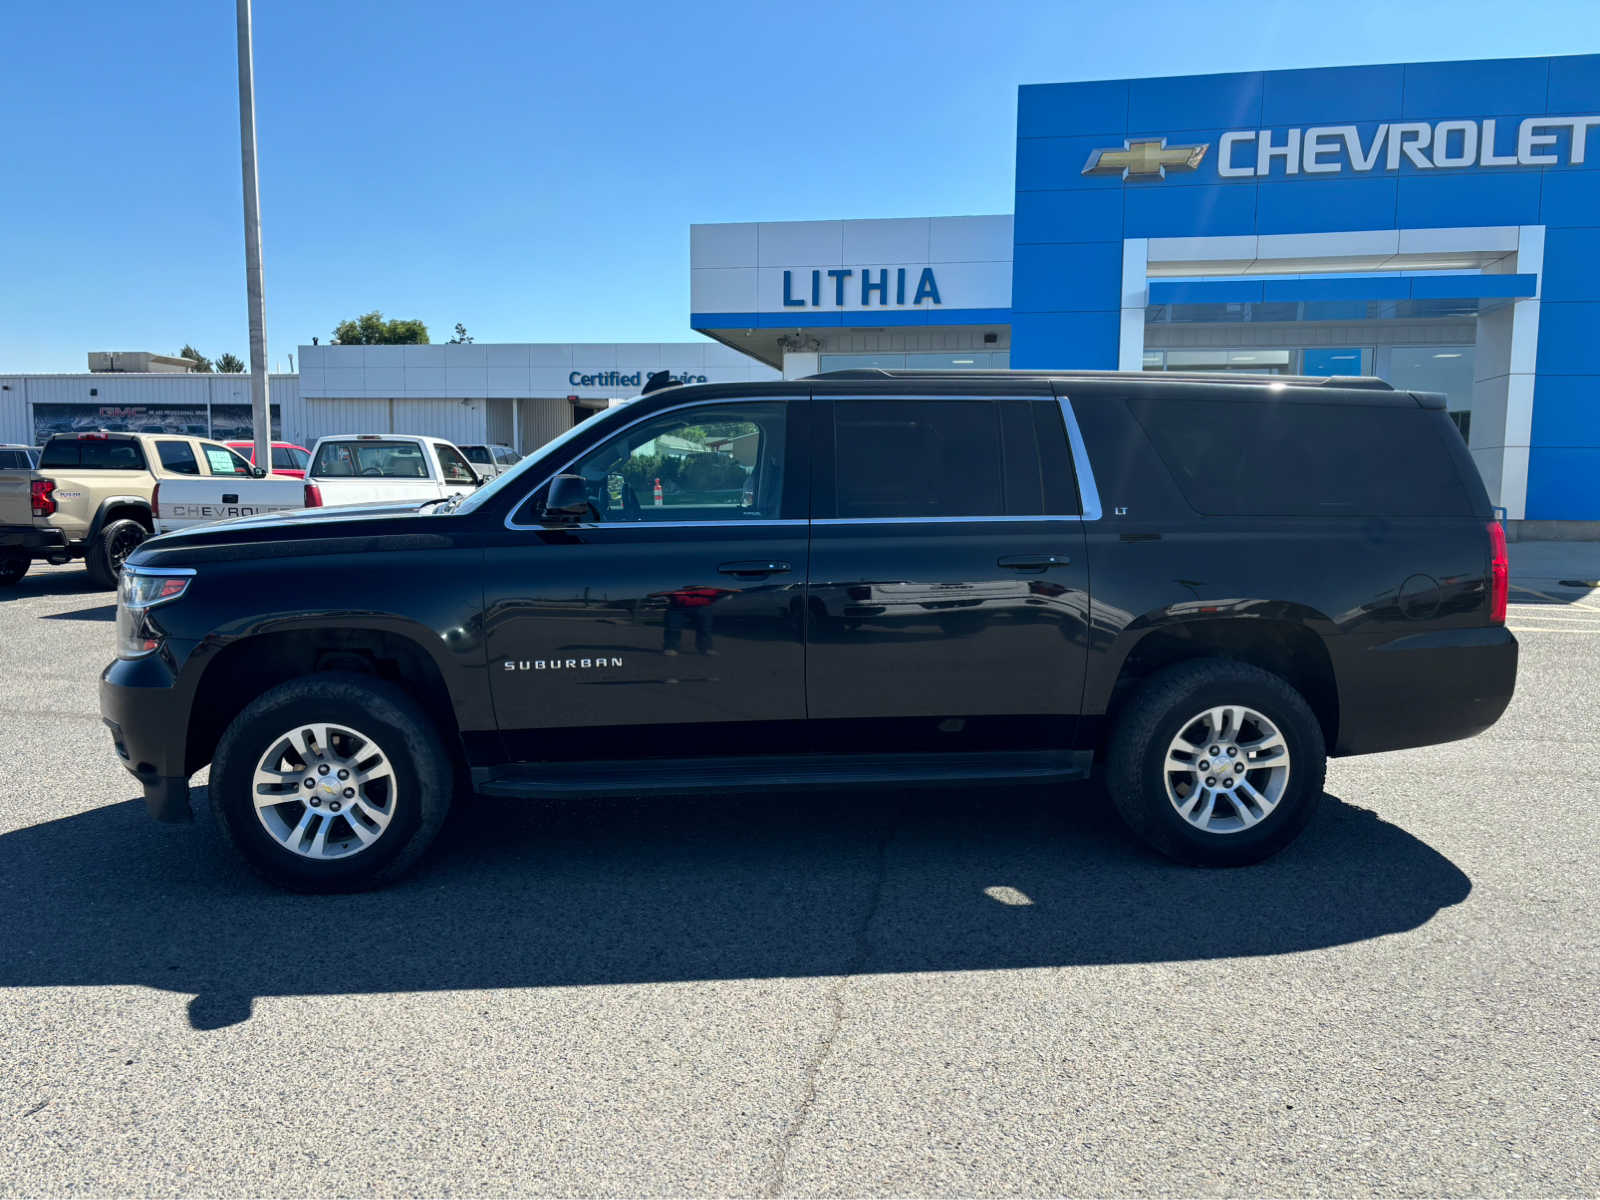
(148, 724)
(33, 540)
(1423, 689)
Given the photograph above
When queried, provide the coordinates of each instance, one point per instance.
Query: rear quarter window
(1261, 458)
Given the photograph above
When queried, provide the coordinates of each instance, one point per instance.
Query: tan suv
(89, 497)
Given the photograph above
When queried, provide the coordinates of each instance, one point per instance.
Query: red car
(287, 458)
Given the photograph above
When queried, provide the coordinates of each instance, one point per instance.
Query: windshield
(545, 457)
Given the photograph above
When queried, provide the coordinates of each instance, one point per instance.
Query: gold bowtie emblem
(1145, 158)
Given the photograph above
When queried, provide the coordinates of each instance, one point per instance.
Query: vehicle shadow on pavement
(525, 894)
(55, 583)
(107, 612)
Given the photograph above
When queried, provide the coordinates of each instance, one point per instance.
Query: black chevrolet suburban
(1205, 585)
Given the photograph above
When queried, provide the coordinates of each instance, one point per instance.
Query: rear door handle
(756, 567)
(1032, 562)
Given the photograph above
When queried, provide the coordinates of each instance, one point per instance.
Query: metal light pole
(260, 406)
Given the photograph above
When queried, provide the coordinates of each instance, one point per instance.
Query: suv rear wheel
(332, 783)
(1216, 763)
(110, 549)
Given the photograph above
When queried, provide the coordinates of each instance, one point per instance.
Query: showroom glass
(899, 459)
(452, 467)
(178, 457)
(712, 463)
(379, 459)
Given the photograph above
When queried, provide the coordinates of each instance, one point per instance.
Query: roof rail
(1368, 382)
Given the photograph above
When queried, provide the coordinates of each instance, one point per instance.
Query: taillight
(155, 501)
(42, 493)
(313, 496)
(1499, 573)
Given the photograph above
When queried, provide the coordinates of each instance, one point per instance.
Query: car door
(671, 620)
(948, 597)
(455, 472)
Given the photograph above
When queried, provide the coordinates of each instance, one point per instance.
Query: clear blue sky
(531, 168)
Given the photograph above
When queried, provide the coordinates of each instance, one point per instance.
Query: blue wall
(1066, 286)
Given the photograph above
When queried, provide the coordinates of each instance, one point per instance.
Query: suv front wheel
(1216, 763)
(331, 783)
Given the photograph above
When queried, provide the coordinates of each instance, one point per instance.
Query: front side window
(377, 459)
(705, 463)
(223, 461)
(178, 457)
(452, 467)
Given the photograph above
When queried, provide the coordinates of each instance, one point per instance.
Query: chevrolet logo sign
(1145, 158)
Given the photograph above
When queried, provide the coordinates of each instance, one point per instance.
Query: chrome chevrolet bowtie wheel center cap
(324, 791)
(1226, 769)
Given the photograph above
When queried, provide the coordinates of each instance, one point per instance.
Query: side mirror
(258, 472)
(568, 499)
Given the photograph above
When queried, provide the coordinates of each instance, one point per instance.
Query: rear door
(948, 594)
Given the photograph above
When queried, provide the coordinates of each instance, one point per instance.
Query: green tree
(462, 337)
(202, 364)
(370, 329)
(230, 364)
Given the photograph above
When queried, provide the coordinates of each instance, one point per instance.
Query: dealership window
(944, 360)
(1446, 369)
(1257, 362)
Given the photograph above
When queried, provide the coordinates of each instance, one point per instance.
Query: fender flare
(142, 503)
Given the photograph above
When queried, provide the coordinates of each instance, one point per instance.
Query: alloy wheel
(1226, 769)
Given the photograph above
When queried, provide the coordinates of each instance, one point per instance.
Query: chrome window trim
(753, 523)
(529, 494)
(158, 570)
(1088, 493)
(996, 519)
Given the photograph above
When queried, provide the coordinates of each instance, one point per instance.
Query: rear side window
(1259, 458)
(92, 454)
(911, 458)
(288, 458)
(178, 457)
(10, 459)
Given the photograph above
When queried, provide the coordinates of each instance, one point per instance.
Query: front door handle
(1032, 562)
(756, 567)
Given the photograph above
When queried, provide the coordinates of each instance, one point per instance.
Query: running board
(668, 776)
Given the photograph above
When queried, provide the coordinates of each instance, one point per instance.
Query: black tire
(424, 775)
(110, 548)
(1160, 709)
(14, 565)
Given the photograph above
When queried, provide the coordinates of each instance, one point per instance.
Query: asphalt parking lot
(848, 994)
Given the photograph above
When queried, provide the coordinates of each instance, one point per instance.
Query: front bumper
(1425, 688)
(148, 721)
(39, 542)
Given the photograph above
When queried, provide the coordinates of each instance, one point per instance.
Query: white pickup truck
(345, 469)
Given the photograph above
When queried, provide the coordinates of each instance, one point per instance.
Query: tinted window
(452, 467)
(94, 454)
(178, 457)
(374, 459)
(12, 459)
(914, 458)
(477, 454)
(506, 457)
(287, 458)
(707, 463)
(1260, 458)
(223, 461)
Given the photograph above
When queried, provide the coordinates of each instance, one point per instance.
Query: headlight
(138, 591)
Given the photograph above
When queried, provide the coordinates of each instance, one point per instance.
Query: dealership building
(1437, 224)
